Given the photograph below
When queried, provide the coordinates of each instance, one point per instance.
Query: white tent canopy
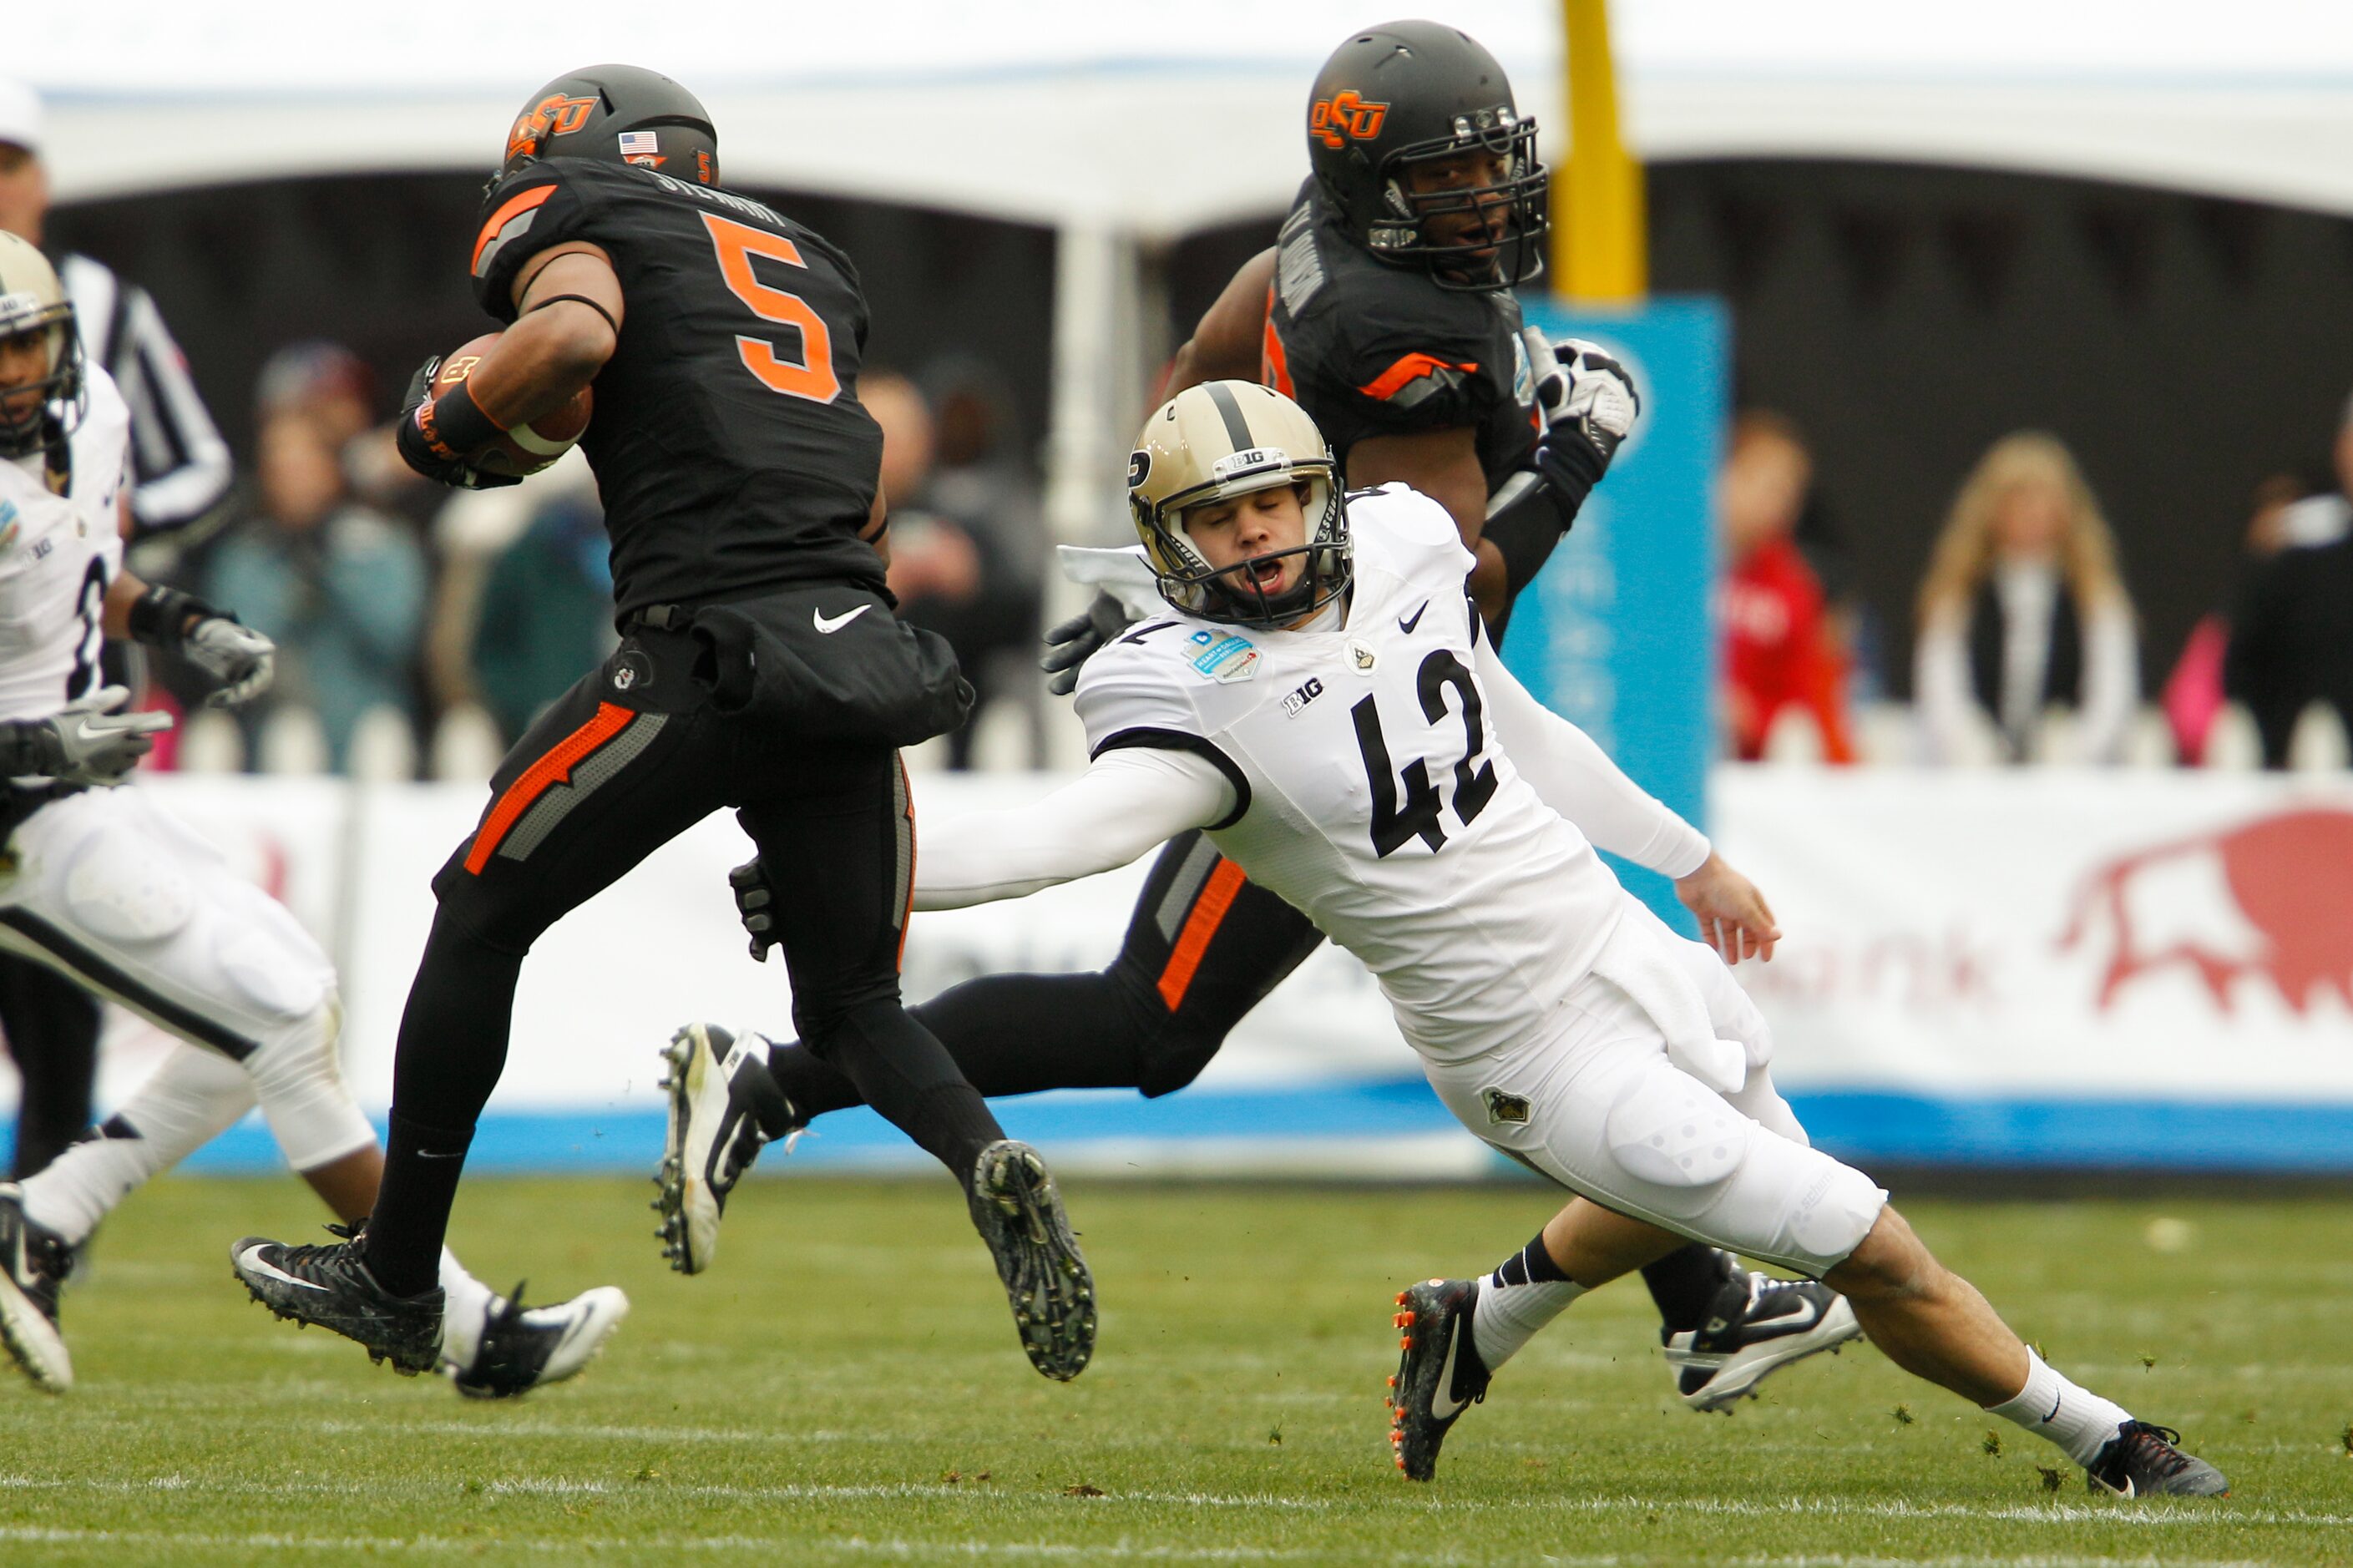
(1155, 117)
(1125, 122)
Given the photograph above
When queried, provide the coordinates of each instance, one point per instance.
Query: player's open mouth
(1267, 573)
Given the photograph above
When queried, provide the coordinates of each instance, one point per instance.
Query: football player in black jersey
(760, 668)
(1386, 309)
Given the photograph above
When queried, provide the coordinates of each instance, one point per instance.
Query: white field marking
(771, 1545)
(2218, 1513)
(902, 1549)
(2221, 1515)
(654, 1491)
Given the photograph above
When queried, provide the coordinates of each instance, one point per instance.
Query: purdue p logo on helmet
(33, 304)
(1215, 442)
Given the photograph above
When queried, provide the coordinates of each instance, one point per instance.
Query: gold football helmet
(1220, 440)
(32, 301)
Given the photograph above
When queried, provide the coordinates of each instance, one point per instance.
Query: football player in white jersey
(99, 885)
(1325, 704)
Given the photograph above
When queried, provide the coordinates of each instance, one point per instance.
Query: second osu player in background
(760, 669)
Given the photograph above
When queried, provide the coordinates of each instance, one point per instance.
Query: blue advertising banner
(1615, 635)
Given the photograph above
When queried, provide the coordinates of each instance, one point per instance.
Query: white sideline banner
(1988, 967)
(2102, 934)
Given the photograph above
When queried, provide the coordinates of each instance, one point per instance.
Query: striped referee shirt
(179, 464)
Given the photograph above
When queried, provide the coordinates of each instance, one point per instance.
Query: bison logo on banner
(2272, 898)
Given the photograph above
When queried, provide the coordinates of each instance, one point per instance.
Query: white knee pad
(297, 1075)
(1810, 1210)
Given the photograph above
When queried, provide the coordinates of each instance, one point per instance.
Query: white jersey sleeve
(1127, 802)
(1576, 777)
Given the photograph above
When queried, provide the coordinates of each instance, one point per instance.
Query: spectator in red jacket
(1779, 651)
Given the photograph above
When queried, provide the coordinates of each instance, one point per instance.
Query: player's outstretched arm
(1576, 777)
(1127, 803)
(235, 660)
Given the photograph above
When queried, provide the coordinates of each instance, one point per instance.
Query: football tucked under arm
(1576, 777)
(1127, 803)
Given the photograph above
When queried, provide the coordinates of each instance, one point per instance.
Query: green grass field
(844, 1387)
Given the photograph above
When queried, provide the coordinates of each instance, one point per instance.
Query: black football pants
(611, 772)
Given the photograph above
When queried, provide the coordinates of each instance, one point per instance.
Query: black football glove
(418, 452)
(1076, 640)
(756, 896)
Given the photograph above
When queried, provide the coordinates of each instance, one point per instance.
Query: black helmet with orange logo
(618, 114)
(1409, 93)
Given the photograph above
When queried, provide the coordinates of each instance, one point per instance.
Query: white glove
(1582, 391)
(89, 743)
(237, 660)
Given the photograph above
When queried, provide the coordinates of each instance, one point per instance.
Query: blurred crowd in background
(2026, 649)
(420, 630)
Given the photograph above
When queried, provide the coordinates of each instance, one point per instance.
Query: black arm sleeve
(1533, 509)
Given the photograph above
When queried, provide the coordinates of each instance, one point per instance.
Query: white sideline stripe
(903, 1550)
(2223, 1515)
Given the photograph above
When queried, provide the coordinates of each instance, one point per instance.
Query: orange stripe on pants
(551, 770)
(1216, 897)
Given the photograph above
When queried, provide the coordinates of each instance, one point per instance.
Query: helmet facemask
(1232, 594)
(1399, 231)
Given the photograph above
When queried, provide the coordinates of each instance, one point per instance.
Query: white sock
(2078, 1421)
(466, 1307)
(193, 1097)
(1524, 1294)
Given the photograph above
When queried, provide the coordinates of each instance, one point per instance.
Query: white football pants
(1597, 1106)
(113, 893)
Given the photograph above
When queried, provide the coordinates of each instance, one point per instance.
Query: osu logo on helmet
(1345, 113)
(553, 116)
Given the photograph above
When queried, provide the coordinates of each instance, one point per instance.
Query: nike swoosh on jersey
(1442, 1402)
(1407, 626)
(835, 623)
(271, 1270)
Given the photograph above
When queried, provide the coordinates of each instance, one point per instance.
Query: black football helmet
(621, 114)
(1409, 93)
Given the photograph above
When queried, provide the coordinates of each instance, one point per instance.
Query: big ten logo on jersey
(553, 116)
(1294, 704)
(11, 523)
(1344, 114)
(1223, 657)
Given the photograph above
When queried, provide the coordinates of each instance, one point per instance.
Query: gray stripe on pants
(556, 805)
(1190, 878)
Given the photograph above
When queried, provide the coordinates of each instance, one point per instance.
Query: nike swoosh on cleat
(246, 1261)
(1804, 1316)
(1443, 1393)
(1406, 625)
(829, 624)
